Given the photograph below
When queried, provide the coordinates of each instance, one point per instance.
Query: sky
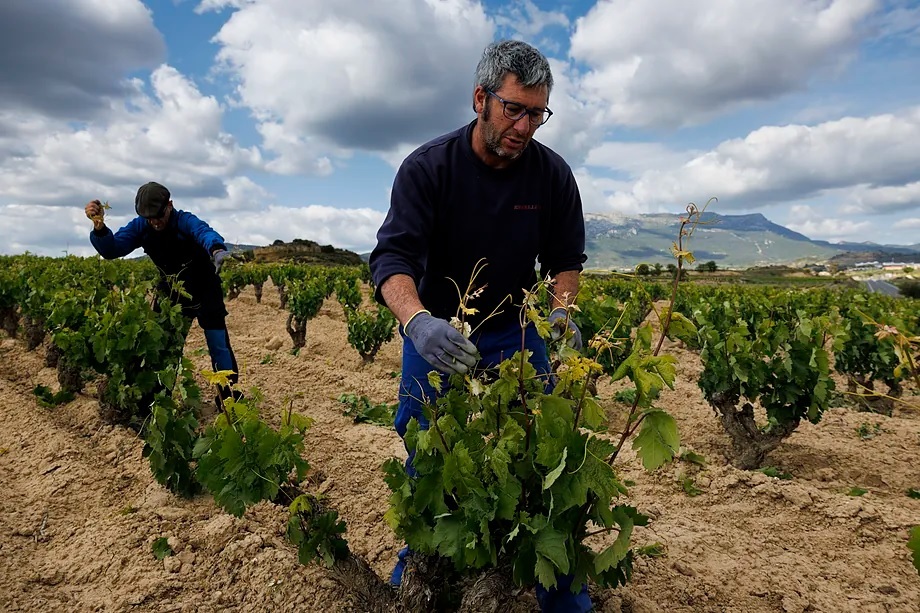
(283, 119)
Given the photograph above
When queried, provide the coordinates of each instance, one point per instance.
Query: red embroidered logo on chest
(526, 207)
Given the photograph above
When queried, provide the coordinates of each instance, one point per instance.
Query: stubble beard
(493, 139)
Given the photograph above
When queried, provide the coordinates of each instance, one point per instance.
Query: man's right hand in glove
(441, 344)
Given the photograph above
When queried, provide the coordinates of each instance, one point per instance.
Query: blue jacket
(448, 209)
(183, 248)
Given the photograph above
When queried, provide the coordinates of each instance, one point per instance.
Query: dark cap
(151, 200)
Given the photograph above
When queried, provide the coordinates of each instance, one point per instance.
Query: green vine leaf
(161, 548)
(554, 474)
(619, 549)
(658, 441)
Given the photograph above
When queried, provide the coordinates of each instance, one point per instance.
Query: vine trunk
(750, 444)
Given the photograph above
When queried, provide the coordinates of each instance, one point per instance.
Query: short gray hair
(516, 57)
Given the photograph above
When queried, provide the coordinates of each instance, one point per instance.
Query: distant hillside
(305, 251)
(235, 248)
(867, 247)
(731, 241)
(851, 258)
(624, 241)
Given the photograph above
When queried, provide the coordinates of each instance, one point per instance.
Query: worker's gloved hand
(219, 256)
(557, 321)
(441, 344)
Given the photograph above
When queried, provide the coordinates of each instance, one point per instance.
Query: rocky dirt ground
(79, 507)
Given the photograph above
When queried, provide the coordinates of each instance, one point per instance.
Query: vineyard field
(79, 507)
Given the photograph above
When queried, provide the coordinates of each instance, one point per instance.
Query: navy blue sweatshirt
(183, 248)
(448, 209)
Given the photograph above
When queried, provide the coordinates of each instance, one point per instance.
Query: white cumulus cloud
(885, 199)
(353, 229)
(816, 223)
(777, 164)
(326, 78)
(660, 62)
(173, 136)
(58, 57)
(635, 157)
(44, 230)
(909, 223)
(526, 20)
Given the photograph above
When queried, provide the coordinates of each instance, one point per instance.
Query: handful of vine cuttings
(103, 207)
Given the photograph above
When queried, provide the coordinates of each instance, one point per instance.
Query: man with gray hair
(485, 193)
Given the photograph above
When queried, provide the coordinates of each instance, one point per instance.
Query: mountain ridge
(619, 241)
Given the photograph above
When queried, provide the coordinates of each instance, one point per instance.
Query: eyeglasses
(514, 111)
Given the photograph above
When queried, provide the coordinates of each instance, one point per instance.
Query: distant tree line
(656, 269)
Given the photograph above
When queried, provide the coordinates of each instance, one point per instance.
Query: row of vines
(513, 476)
(302, 291)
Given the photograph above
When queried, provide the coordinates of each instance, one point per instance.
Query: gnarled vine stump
(283, 296)
(52, 356)
(34, 331)
(69, 376)
(750, 443)
(430, 584)
(297, 328)
(9, 321)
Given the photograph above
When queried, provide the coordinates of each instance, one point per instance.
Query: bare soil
(79, 507)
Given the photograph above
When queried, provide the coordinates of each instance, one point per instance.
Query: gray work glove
(441, 345)
(558, 329)
(219, 256)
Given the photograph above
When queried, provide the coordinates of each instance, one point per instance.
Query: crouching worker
(180, 245)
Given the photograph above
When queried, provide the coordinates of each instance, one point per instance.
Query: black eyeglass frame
(542, 114)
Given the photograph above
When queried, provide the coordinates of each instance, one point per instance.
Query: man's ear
(479, 99)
